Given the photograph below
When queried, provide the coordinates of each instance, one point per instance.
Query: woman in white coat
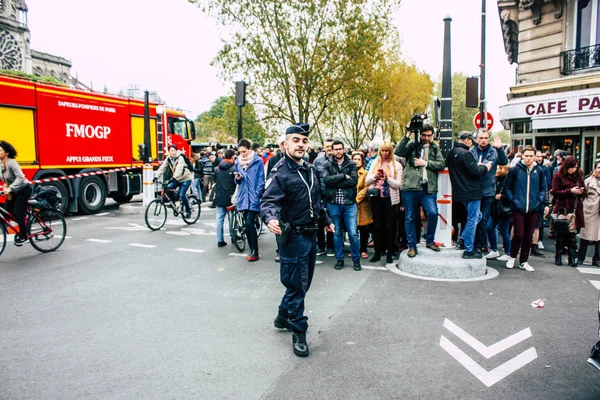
(591, 215)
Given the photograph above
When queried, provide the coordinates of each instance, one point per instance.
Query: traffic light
(473, 92)
(142, 156)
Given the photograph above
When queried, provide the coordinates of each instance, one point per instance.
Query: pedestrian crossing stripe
(593, 271)
(596, 284)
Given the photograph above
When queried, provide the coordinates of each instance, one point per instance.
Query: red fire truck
(60, 132)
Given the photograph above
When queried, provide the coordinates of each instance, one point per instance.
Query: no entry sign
(477, 120)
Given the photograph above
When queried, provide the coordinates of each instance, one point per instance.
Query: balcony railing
(583, 58)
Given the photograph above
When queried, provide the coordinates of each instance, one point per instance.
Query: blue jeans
(504, 231)
(473, 218)
(486, 231)
(197, 187)
(182, 190)
(412, 201)
(221, 212)
(349, 214)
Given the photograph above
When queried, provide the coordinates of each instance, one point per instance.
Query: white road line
(99, 240)
(376, 268)
(237, 254)
(102, 214)
(594, 271)
(487, 351)
(596, 284)
(79, 218)
(178, 233)
(145, 246)
(190, 250)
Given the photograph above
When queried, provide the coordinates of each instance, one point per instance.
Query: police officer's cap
(299, 128)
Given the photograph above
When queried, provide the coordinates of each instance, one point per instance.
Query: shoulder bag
(562, 222)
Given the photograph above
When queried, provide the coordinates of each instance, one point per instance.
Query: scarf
(245, 161)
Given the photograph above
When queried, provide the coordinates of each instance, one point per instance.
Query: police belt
(306, 230)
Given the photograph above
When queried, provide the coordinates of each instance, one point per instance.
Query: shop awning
(566, 121)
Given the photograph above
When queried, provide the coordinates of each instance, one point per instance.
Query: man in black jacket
(341, 176)
(465, 175)
(224, 189)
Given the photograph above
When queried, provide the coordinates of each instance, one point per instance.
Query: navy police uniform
(293, 196)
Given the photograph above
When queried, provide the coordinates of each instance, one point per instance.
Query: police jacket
(414, 175)
(525, 188)
(252, 184)
(465, 174)
(335, 177)
(224, 184)
(293, 194)
(496, 157)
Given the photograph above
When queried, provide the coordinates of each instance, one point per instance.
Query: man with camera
(424, 160)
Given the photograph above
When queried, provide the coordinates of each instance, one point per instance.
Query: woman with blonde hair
(384, 180)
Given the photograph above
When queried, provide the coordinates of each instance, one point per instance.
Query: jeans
(473, 218)
(182, 190)
(221, 212)
(486, 231)
(349, 214)
(197, 187)
(503, 224)
(412, 201)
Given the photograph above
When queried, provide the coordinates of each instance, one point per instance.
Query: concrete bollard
(148, 177)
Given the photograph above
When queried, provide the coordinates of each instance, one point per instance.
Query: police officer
(291, 207)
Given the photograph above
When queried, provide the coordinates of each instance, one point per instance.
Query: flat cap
(465, 135)
(300, 128)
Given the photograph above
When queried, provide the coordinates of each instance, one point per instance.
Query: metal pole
(482, 116)
(147, 139)
(239, 123)
(446, 100)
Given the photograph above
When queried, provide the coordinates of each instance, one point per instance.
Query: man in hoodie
(466, 174)
(224, 189)
(250, 178)
(525, 187)
(494, 155)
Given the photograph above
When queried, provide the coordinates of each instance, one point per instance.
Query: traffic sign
(490, 120)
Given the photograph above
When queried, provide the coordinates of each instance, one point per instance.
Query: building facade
(15, 51)
(555, 103)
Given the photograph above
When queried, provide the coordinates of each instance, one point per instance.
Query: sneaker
(357, 266)
(433, 246)
(526, 267)
(330, 253)
(595, 356)
(510, 264)
(503, 257)
(299, 344)
(535, 251)
(277, 258)
(492, 254)
(469, 255)
(540, 245)
(460, 245)
(339, 264)
(281, 323)
(320, 252)
(251, 258)
(18, 241)
(188, 215)
(222, 244)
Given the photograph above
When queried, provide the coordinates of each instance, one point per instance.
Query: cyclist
(16, 188)
(181, 176)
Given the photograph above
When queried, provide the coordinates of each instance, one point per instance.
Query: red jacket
(561, 190)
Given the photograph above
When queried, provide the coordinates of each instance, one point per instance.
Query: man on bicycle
(181, 176)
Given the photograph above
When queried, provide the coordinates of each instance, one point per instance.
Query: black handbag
(562, 222)
(502, 210)
(372, 192)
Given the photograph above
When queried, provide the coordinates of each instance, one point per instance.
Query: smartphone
(380, 171)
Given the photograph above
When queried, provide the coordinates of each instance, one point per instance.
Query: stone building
(15, 52)
(555, 103)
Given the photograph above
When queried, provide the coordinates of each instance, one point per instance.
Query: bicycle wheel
(239, 239)
(47, 230)
(156, 214)
(3, 244)
(194, 210)
(258, 224)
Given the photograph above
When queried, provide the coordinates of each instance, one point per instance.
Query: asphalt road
(119, 312)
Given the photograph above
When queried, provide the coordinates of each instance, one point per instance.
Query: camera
(416, 122)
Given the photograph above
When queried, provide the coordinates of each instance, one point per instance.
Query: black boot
(557, 258)
(389, 257)
(299, 344)
(583, 246)
(573, 258)
(376, 257)
(535, 251)
(281, 322)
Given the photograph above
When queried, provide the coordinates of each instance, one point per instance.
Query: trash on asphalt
(539, 303)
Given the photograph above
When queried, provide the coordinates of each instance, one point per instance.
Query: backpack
(188, 163)
(47, 197)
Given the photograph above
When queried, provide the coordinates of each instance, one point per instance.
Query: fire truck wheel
(121, 199)
(92, 194)
(64, 196)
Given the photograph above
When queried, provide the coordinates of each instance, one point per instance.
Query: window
(178, 127)
(587, 15)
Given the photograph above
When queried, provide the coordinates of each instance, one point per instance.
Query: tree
(298, 55)
(462, 117)
(220, 122)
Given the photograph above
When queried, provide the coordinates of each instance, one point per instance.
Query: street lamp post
(482, 116)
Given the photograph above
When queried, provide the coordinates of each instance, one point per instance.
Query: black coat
(224, 184)
(336, 176)
(465, 174)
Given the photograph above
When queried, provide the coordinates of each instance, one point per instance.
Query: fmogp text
(87, 131)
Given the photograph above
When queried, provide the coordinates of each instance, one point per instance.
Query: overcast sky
(168, 48)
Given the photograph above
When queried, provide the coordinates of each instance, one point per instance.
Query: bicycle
(237, 229)
(156, 211)
(46, 228)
